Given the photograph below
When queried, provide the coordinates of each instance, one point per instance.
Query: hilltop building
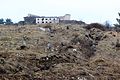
(34, 19)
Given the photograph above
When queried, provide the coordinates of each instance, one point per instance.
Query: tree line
(6, 21)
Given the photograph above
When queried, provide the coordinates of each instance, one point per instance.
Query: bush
(8, 22)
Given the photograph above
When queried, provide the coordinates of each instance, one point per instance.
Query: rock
(2, 61)
(22, 47)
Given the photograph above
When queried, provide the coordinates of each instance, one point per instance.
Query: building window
(42, 19)
(50, 19)
(54, 19)
(38, 19)
(50, 22)
(46, 22)
(37, 22)
(46, 19)
(42, 22)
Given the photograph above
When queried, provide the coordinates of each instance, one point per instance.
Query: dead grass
(60, 55)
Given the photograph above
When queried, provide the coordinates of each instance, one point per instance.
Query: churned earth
(59, 52)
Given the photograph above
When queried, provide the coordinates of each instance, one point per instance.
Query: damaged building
(34, 19)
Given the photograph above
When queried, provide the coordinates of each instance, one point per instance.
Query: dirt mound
(59, 52)
(72, 22)
(95, 25)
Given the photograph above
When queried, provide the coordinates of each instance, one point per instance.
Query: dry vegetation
(61, 52)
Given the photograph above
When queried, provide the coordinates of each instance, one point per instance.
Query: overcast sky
(85, 10)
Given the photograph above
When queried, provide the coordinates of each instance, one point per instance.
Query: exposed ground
(62, 52)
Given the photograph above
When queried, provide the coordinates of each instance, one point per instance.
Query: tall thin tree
(117, 27)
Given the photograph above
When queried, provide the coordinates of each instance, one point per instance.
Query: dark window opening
(38, 19)
(50, 22)
(37, 22)
(42, 22)
(46, 19)
(46, 22)
(50, 18)
(54, 19)
(42, 19)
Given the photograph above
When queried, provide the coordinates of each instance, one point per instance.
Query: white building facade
(45, 20)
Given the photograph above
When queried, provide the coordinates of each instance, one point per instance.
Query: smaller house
(65, 17)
